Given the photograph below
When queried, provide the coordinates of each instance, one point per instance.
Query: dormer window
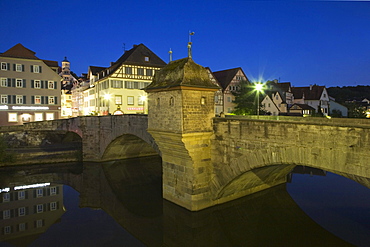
(146, 58)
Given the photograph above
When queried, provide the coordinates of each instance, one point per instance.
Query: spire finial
(170, 52)
(190, 43)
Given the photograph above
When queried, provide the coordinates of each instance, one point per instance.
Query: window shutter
(32, 100)
(13, 66)
(24, 83)
(24, 99)
(42, 84)
(13, 82)
(14, 100)
(22, 67)
(56, 100)
(42, 99)
(32, 84)
(55, 85)
(8, 67)
(31, 68)
(40, 69)
(9, 99)
(9, 82)
(46, 100)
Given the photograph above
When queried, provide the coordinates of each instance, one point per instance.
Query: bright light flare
(107, 96)
(258, 87)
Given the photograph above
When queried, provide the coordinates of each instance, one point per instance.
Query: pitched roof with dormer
(308, 93)
(224, 77)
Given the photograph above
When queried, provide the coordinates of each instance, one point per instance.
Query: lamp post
(259, 88)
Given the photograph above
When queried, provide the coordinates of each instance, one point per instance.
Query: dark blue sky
(304, 42)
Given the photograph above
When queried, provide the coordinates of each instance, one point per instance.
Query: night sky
(303, 42)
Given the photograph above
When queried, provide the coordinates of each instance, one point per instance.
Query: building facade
(229, 81)
(67, 83)
(29, 87)
(118, 88)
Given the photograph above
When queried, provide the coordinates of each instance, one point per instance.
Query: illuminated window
(51, 85)
(118, 99)
(12, 117)
(146, 59)
(40, 208)
(18, 83)
(37, 99)
(22, 211)
(21, 195)
(38, 116)
(19, 67)
(37, 84)
(6, 197)
(149, 72)
(4, 82)
(4, 66)
(4, 99)
(130, 100)
(6, 214)
(51, 100)
(53, 206)
(50, 116)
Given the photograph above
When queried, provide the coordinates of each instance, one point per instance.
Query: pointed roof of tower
(19, 51)
(182, 72)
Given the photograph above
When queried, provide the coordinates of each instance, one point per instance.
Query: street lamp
(107, 98)
(143, 99)
(259, 88)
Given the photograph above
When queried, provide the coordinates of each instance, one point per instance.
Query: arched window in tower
(203, 101)
(172, 101)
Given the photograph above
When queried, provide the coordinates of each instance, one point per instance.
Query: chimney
(311, 87)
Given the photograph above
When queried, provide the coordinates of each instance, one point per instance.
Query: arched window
(172, 101)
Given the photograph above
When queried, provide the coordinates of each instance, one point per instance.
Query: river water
(120, 204)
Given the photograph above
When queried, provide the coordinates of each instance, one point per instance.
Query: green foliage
(336, 113)
(245, 99)
(5, 156)
(343, 94)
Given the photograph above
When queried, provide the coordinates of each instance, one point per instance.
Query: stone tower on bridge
(181, 107)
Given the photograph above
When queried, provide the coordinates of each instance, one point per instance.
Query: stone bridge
(246, 155)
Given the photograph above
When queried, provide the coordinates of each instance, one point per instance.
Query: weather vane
(190, 43)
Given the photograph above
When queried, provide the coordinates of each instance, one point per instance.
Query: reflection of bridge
(207, 160)
(267, 218)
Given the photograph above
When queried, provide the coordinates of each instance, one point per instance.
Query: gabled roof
(19, 51)
(51, 63)
(95, 69)
(182, 72)
(135, 56)
(224, 77)
(284, 86)
(309, 93)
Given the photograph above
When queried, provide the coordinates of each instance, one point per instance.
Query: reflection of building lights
(4, 107)
(30, 107)
(26, 117)
(4, 190)
(23, 187)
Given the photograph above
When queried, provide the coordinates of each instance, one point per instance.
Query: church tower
(181, 108)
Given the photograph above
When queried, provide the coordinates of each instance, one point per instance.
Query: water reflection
(134, 214)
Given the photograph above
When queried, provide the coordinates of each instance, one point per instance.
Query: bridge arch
(251, 155)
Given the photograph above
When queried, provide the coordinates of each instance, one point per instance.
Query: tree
(245, 99)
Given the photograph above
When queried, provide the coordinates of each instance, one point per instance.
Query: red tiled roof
(310, 93)
(19, 51)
